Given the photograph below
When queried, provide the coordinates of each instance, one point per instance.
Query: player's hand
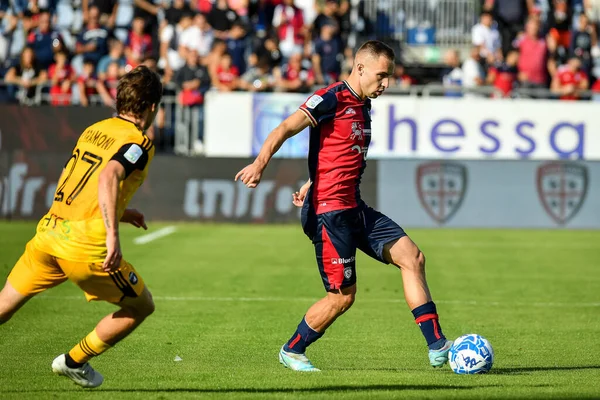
(135, 218)
(113, 253)
(250, 175)
(298, 197)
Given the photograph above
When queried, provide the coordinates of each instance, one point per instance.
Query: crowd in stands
(533, 46)
(78, 49)
(225, 45)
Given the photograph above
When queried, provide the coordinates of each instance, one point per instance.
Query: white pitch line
(304, 300)
(167, 230)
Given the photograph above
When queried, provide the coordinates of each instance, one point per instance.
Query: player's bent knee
(414, 263)
(145, 309)
(344, 301)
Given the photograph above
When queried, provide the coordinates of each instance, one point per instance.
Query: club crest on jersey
(350, 111)
(313, 101)
(357, 131)
(133, 278)
(348, 273)
(441, 187)
(562, 187)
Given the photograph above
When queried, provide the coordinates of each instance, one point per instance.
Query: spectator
(295, 77)
(193, 79)
(533, 61)
(107, 87)
(107, 10)
(172, 52)
(503, 74)
(44, 41)
(269, 50)
(592, 10)
(259, 78)
(139, 44)
(570, 80)
(61, 77)
(199, 36)
(86, 83)
(327, 16)
(486, 37)
(289, 22)
(25, 76)
(326, 57)
(309, 12)
(452, 77)
(401, 79)
(582, 41)
(174, 13)
(221, 18)
(511, 16)
(472, 72)
(213, 59)
(93, 40)
(240, 7)
(236, 46)
(7, 30)
(115, 54)
(560, 19)
(226, 75)
(148, 10)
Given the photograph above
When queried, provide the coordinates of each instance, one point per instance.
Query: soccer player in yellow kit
(78, 239)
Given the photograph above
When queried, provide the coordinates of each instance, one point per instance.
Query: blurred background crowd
(66, 52)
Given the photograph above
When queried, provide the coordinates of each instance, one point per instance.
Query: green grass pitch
(229, 296)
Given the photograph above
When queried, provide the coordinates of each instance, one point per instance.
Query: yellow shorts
(37, 271)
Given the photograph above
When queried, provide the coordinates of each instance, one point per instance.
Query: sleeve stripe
(313, 121)
(147, 144)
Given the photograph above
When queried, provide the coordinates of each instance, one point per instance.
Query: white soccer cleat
(296, 362)
(85, 376)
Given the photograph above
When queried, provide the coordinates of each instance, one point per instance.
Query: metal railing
(182, 123)
(449, 21)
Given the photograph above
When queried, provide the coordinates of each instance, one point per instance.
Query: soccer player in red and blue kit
(333, 215)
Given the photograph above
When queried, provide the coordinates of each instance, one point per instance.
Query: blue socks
(427, 319)
(302, 338)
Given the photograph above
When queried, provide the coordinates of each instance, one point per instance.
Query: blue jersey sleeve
(320, 106)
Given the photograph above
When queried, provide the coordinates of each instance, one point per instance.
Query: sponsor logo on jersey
(336, 261)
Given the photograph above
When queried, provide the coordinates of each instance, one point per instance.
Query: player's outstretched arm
(291, 126)
(108, 192)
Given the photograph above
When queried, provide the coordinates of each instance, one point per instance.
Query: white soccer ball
(471, 354)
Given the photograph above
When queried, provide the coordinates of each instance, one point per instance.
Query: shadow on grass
(525, 370)
(322, 389)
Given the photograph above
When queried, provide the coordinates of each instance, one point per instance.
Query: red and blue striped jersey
(339, 138)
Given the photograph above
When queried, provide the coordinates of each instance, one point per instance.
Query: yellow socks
(90, 346)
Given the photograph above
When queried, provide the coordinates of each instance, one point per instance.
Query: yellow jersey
(73, 228)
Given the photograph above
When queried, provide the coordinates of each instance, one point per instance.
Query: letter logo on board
(562, 187)
(441, 187)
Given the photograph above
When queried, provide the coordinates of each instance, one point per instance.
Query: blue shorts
(337, 234)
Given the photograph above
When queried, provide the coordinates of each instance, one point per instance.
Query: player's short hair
(138, 90)
(377, 49)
